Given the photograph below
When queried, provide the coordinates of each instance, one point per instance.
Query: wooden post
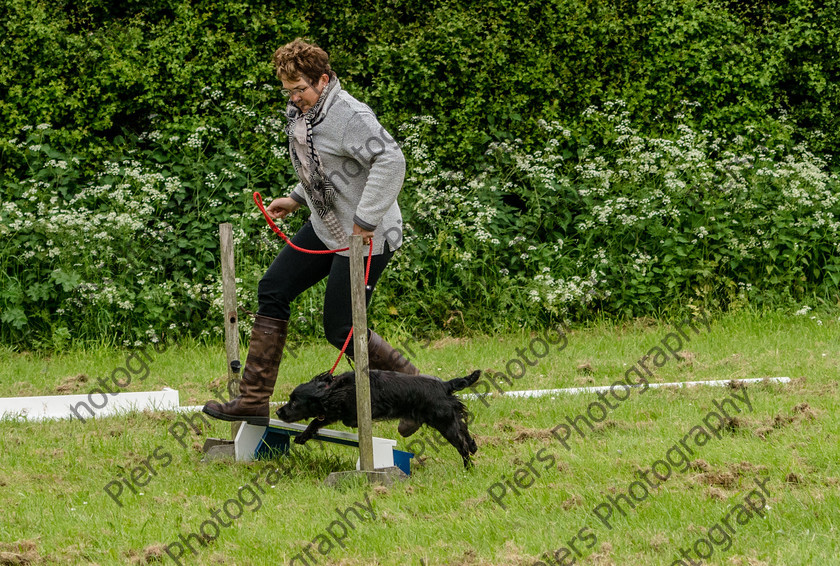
(360, 349)
(231, 317)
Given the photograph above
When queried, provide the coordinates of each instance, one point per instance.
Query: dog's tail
(460, 383)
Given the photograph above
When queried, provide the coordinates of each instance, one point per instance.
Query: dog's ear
(322, 392)
(326, 378)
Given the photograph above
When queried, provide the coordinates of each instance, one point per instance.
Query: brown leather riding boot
(382, 355)
(268, 338)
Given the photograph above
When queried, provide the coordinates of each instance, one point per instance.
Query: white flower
(194, 140)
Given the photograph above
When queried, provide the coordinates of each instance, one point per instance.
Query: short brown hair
(301, 58)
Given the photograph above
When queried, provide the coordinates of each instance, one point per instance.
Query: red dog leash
(259, 203)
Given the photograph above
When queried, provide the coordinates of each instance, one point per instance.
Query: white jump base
(254, 441)
(86, 406)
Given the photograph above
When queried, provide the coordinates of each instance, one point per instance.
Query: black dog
(420, 398)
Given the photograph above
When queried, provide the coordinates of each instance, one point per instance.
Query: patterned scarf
(307, 162)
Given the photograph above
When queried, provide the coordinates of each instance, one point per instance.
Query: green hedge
(92, 69)
(127, 248)
(606, 219)
(487, 68)
(603, 219)
(129, 131)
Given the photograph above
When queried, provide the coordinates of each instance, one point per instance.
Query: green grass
(52, 474)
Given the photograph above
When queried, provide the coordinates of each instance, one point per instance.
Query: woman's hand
(282, 207)
(366, 234)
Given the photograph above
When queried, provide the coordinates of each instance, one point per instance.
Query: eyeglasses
(294, 92)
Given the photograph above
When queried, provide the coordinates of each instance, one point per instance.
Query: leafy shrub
(605, 219)
(530, 195)
(127, 247)
(94, 68)
(602, 220)
(484, 69)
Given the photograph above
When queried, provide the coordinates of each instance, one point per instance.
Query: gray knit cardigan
(366, 166)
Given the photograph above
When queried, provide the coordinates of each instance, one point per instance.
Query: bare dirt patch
(71, 384)
(572, 502)
(523, 434)
(19, 552)
(448, 341)
(801, 412)
(728, 478)
(149, 555)
(725, 480)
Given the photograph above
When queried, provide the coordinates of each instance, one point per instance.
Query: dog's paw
(301, 439)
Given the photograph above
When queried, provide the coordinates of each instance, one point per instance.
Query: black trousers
(293, 272)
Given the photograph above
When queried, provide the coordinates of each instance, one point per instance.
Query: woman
(351, 172)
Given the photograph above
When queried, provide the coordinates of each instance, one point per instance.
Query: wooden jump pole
(360, 350)
(231, 317)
